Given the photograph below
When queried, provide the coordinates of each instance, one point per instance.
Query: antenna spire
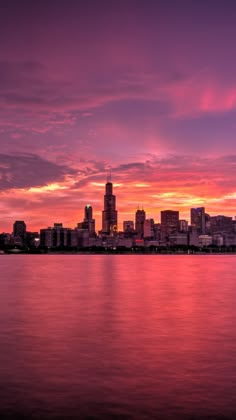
(109, 176)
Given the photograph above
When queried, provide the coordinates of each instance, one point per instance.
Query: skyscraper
(19, 229)
(128, 226)
(109, 214)
(169, 223)
(140, 216)
(148, 228)
(89, 222)
(198, 219)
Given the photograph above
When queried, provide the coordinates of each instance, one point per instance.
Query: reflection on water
(133, 337)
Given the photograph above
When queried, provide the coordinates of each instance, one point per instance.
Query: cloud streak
(26, 171)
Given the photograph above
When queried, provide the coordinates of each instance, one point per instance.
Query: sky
(146, 89)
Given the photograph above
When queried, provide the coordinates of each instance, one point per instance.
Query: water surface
(128, 337)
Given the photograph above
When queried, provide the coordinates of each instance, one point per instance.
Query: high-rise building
(198, 220)
(19, 230)
(140, 216)
(89, 222)
(183, 225)
(207, 224)
(128, 226)
(169, 223)
(148, 229)
(221, 224)
(109, 214)
(56, 236)
(88, 212)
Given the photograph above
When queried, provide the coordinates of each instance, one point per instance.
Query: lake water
(117, 337)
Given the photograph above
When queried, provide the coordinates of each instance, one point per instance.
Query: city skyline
(110, 217)
(144, 89)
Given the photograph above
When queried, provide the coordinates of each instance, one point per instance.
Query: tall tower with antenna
(109, 214)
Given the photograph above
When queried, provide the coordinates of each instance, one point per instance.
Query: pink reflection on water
(150, 332)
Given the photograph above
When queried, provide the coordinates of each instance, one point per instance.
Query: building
(128, 226)
(140, 216)
(89, 222)
(198, 220)
(148, 229)
(218, 239)
(128, 229)
(193, 237)
(19, 229)
(169, 223)
(221, 224)
(109, 214)
(204, 240)
(178, 238)
(183, 225)
(19, 233)
(234, 225)
(229, 239)
(157, 232)
(82, 238)
(207, 224)
(56, 236)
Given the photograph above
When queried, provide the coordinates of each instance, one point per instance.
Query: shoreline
(118, 253)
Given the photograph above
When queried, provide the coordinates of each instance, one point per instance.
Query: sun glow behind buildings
(46, 188)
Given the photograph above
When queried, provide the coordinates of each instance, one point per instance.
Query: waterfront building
(19, 232)
(128, 226)
(221, 224)
(56, 236)
(218, 239)
(234, 225)
(183, 225)
(229, 239)
(109, 214)
(148, 229)
(82, 238)
(169, 223)
(198, 220)
(157, 232)
(207, 224)
(193, 237)
(128, 229)
(178, 238)
(125, 242)
(140, 216)
(204, 240)
(89, 222)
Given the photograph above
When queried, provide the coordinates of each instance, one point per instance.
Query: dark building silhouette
(140, 217)
(19, 232)
(19, 228)
(56, 236)
(109, 214)
(148, 229)
(183, 225)
(169, 223)
(88, 212)
(221, 224)
(198, 220)
(128, 228)
(207, 224)
(89, 222)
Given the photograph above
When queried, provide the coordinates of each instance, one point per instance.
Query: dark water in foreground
(120, 337)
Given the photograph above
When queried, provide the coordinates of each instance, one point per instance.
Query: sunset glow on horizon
(145, 90)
